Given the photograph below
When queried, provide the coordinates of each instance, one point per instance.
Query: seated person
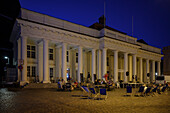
(118, 85)
(98, 82)
(95, 82)
(145, 87)
(159, 89)
(75, 84)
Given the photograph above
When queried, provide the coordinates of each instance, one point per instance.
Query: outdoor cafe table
(135, 84)
(132, 84)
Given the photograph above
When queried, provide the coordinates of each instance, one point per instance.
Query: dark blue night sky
(151, 18)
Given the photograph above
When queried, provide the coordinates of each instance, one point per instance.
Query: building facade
(166, 63)
(49, 48)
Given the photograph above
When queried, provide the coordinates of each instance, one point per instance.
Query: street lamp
(7, 58)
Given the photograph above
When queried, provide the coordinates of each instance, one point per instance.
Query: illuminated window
(67, 56)
(50, 54)
(33, 71)
(76, 57)
(28, 71)
(51, 72)
(107, 61)
(31, 51)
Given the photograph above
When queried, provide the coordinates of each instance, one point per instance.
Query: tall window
(50, 54)
(30, 51)
(67, 56)
(107, 61)
(51, 72)
(33, 71)
(76, 57)
(28, 71)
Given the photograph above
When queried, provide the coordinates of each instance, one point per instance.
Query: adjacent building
(48, 48)
(166, 63)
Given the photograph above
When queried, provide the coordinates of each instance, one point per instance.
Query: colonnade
(98, 64)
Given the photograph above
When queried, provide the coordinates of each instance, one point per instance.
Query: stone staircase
(42, 85)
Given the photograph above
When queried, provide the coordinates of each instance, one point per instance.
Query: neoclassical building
(50, 48)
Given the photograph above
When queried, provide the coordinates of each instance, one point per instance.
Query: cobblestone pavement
(52, 101)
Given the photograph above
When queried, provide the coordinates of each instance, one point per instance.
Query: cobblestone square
(52, 101)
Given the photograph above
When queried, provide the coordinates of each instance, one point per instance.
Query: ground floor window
(51, 72)
(28, 71)
(31, 71)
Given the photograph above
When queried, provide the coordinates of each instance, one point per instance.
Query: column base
(45, 81)
(22, 83)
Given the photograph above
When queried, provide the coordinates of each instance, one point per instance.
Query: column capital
(23, 37)
(147, 60)
(140, 58)
(93, 50)
(64, 43)
(115, 51)
(45, 40)
(125, 53)
(104, 48)
(133, 54)
(58, 46)
(80, 46)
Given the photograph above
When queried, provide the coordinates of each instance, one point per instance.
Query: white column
(158, 68)
(121, 67)
(19, 58)
(147, 69)
(93, 63)
(141, 69)
(153, 71)
(147, 66)
(79, 63)
(130, 67)
(70, 62)
(85, 65)
(115, 66)
(45, 62)
(104, 61)
(73, 54)
(58, 58)
(125, 66)
(134, 66)
(99, 64)
(64, 62)
(24, 58)
(40, 62)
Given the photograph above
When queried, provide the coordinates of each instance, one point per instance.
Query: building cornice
(30, 29)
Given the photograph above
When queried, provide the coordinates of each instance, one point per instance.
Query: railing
(55, 22)
(117, 35)
(149, 48)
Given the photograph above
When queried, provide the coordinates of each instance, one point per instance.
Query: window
(33, 71)
(67, 56)
(31, 51)
(51, 72)
(28, 51)
(28, 71)
(76, 57)
(50, 54)
(107, 61)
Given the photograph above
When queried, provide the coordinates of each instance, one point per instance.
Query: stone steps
(42, 85)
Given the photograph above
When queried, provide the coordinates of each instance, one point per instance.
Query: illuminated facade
(49, 48)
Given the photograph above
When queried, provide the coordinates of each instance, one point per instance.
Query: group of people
(63, 85)
(155, 88)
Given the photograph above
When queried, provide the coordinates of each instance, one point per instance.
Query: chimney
(102, 20)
